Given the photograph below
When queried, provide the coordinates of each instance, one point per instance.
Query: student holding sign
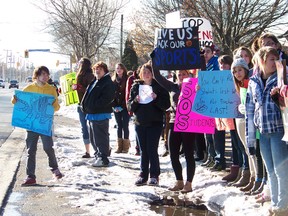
(148, 101)
(264, 114)
(176, 139)
(40, 85)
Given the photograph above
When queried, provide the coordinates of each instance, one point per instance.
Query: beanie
(239, 62)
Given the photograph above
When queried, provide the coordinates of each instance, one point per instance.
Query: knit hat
(239, 62)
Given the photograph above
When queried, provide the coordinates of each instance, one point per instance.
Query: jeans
(31, 144)
(122, 120)
(219, 140)
(148, 138)
(275, 156)
(210, 145)
(84, 126)
(99, 137)
(240, 150)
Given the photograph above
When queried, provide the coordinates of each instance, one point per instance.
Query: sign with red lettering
(205, 29)
(187, 120)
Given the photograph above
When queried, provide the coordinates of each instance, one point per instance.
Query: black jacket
(151, 113)
(100, 98)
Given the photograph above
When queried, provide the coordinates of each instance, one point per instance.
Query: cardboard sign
(205, 29)
(70, 95)
(186, 120)
(176, 49)
(34, 112)
(217, 96)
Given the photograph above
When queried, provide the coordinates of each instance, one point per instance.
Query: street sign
(39, 50)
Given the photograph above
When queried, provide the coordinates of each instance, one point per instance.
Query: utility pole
(121, 38)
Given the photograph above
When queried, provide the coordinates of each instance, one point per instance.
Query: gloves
(242, 109)
(252, 151)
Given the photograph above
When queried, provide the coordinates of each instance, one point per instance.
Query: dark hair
(225, 59)
(145, 66)
(101, 64)
(84, 66)
(39, 70)
(115, 75)
(268, 35)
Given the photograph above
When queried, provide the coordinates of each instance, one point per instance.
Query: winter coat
(99, 98)
(152, 113)
(120, 89)
(261, 111)
(82, 83)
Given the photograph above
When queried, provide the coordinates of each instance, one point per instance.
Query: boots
(237, 178)
(119, 145)
(187, 187)
(208, 161)
(177, 186)
(249, 186)
(244, 180)
(126, 145)
(233, 174)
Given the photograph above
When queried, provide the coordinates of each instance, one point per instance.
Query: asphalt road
(6, 109)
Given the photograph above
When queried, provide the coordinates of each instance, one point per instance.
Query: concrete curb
(10, 155)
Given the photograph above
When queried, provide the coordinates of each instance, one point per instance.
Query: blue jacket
(213, 64)
(261, 111)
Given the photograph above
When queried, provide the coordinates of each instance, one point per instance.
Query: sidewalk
(86, 190)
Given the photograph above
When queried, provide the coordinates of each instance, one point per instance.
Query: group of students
(260, 157)
(256, 137)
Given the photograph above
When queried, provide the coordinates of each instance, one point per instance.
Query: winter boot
(120, 145)
(126, 145)
(177, 186)
(244, 180)
(233, 174)
(249, 186)
(237, 178)
(260, 189)
(187, 187)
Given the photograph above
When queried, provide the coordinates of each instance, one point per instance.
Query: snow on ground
(111, 190)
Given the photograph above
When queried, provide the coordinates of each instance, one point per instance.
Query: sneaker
(29, 182)
(153, 181)
(100, 163)
(57, 174)
(140, 181)
(86, 155)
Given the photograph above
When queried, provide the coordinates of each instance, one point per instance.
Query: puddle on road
(173, 206)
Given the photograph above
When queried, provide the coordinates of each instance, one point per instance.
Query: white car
(2, 83)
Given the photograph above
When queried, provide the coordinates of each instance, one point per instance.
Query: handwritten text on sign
(176, 49)
(217, 96)
(205, 29)
(33, 111)
(187, 120)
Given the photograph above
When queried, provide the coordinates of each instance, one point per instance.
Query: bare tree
(237, 22)
(146, 20)
(80, 26)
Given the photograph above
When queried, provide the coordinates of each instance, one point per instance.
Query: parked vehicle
(29, 80)
(2, 83)
(13, 84)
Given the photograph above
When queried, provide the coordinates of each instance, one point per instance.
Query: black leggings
(187, 140)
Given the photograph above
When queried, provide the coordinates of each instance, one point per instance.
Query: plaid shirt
(261, 112)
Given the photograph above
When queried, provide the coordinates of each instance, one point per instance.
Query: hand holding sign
(145, 94)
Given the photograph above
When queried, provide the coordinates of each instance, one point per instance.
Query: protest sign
(205, 29)
(217, 95)
(176, 49)
(186, 120)
(145, 94)
(70, 95)
(34, 112)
